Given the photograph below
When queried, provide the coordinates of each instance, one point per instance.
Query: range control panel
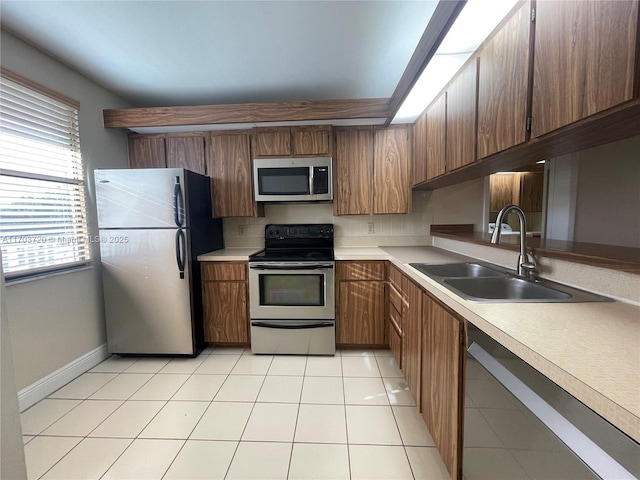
(298, 231)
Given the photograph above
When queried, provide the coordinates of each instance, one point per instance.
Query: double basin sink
(482, 282)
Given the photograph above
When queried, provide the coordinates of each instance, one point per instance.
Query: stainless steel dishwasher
(520, 425)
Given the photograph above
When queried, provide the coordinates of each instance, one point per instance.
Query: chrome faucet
(526, 267)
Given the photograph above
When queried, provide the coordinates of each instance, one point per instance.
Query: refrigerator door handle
(180, 250)
(178, 203)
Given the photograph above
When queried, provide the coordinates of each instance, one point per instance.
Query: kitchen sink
(449, 270)
(485, 282)
(504, 288)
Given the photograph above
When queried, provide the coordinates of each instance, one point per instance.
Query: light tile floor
(228, 414)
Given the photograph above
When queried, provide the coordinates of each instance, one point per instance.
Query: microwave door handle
(311, 170)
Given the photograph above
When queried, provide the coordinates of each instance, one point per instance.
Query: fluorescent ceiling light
(476, 21)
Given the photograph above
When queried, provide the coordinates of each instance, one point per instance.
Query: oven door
(291, 290)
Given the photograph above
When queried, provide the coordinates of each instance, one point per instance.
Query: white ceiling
(167, 53)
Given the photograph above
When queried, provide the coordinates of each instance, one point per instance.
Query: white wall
(55, 320)
(456, 204)
(594, 194)
(608, 194)
(12, 465)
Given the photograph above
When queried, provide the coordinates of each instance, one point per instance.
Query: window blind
(43, 224)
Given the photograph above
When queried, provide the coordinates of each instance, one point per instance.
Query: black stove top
(296, 242)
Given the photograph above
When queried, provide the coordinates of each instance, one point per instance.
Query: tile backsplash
(462, 203)
(350, 230)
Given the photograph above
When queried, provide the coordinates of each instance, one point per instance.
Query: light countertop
(592, 350)
(228, 255)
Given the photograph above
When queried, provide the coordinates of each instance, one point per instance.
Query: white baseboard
(35, 392)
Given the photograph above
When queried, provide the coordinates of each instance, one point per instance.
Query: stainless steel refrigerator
(153, 224)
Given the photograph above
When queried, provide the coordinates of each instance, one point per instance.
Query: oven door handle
(292, 327)
(274, 266)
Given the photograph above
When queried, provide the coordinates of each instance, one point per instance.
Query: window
(43, 224)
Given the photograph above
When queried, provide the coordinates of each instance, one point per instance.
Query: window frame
(72, 189)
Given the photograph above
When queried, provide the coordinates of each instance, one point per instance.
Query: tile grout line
(295, 428)
(346, 422)
(250, 413)
(195, 425)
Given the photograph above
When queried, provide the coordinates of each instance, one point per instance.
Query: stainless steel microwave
(293, 179)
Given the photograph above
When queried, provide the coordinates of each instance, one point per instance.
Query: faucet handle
(528, 268)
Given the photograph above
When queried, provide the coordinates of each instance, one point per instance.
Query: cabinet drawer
(395, 277)
(395, 298)
(212, 271)
(395, 345)
(395, 320)
(360, 270)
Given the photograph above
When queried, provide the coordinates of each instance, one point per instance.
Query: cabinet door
(503, 85)
(186, 151)
(272, 142)
(436, 125)
(504, 190)
(353, 171)
(229, 166)
(147, 151)
(311, 141)
(391, 187)
(584, 60)
(461, 117)
(225, 312)
(531, 188)
(419, 150)
(360, 315)
(412, 340)
(442, 382)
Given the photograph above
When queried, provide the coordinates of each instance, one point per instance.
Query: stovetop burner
(296, 242)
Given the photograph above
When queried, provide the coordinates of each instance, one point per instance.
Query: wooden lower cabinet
(442, 386)
(412, 339)
(225, 300)
(396, 308)
(360, 300)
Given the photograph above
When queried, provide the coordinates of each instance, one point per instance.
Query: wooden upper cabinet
(147, 151)
(186, 151)
(371, 172)
(311, 141)
(531, 191)
(353, 171)
(391, 188)
(272, 142)
(229, 166)
(419, 150)
(436, 137)
(584, 60)
(503, 85)
(505, 190)
(524, 189)
(461, 117)
(292, 141)
(442, 386)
